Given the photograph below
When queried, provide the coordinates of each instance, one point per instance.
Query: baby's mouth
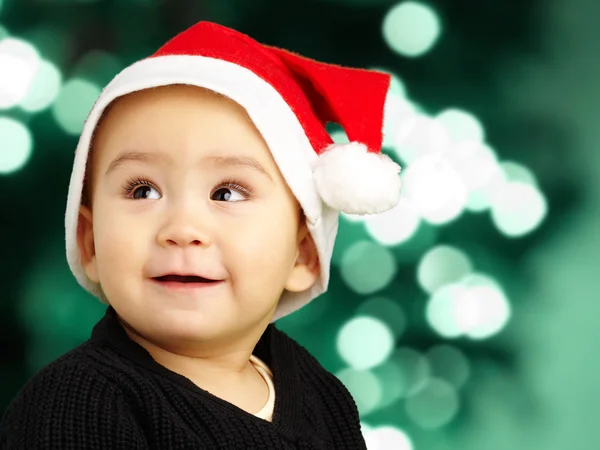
(184, 279)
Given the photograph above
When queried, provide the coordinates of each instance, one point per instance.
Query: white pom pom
(351, 179)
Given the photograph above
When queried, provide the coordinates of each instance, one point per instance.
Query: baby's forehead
(227, 130)
(175, 102)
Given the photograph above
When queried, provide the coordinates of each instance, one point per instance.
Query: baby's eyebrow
(238, 161)
(161, 158)
(125, 157)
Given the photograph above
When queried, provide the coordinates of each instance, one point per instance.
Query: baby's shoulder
(75, 374)
(68, 404)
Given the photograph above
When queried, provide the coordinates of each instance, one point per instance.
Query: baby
(202, 207)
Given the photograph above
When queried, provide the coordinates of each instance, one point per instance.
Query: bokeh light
(20, 62)
(3, 31)
(434, 405)
(483, 309)
(474, 161)
(387, 437)
(53, 309)
(397, 110)
(414, 368)
(364, 388)
(441, 265)
(387, 311)
(393, 381)
(98, 67)
(411, 28)
(518, 208)
(475, 306)
(441, 310)
(44, 89)
(367, 267)
(419, 135)
(481, 199)
(461, 125)
(75, 100)
(16, 144)
(394, 226)
(436, 189)
(365, 342)
(450, 364)
(514, 171)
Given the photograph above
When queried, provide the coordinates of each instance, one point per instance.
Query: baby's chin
(183, 325)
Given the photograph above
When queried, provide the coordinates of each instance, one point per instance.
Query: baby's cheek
(116, 249)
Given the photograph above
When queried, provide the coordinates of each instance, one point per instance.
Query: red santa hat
(290, 99)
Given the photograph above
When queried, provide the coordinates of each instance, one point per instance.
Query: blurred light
(387, 311)
(44, 89)
(365, 342)
(20, 62)
(434, 405)
(411, 28)
(395, 226)
(367, 267)
(391, 376)
(483, 309)
(414, 368)
(397, 109)
(436, 189)
(442, 265)
(461, 125)
(450, 364)
(419, 135)
(54, 312)
(73, 104)
(97, 66)
(475, 162)
(3, 31)
(482, 198)
(518, 208)
(475, 307)
(15, 145)
(514, 171)
(441, 310)
(387, 438)
(364, 388)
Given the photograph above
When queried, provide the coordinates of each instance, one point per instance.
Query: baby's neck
(229, 376)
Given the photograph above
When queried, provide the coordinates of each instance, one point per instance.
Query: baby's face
(183, 183)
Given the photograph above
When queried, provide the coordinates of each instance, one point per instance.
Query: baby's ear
(85, 242)
(307, 267)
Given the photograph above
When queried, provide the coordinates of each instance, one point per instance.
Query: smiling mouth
(184, 279)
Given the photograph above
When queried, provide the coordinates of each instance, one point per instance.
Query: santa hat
(290, 99)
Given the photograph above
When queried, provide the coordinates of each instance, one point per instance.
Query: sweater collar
(274, 348)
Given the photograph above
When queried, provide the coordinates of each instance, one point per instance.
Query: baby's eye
(230, 194)
(144, 192)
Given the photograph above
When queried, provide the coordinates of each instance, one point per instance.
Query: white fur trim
(349, 178)
(272, 116)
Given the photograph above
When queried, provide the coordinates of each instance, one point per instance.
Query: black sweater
(109, 393)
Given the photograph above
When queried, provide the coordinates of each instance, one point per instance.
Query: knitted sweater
(109, 393)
